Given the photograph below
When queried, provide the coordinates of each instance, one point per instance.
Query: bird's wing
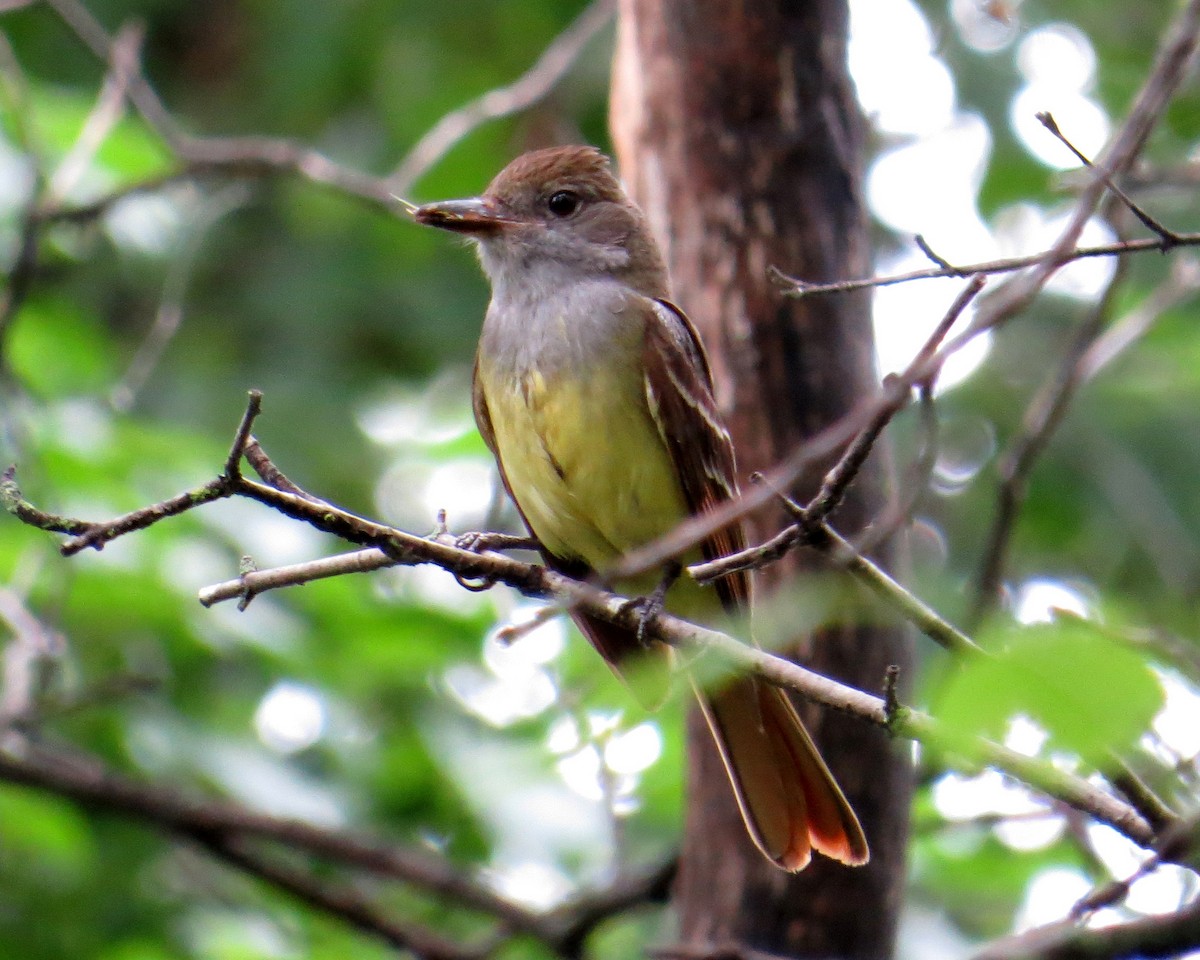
(788, 798)
(679, 392)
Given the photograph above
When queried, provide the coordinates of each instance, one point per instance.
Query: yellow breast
(585, 460)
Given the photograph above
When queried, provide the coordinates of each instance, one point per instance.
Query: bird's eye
(563, 204)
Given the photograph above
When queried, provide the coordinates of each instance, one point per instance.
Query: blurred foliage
(1035, 672)
(406, 718)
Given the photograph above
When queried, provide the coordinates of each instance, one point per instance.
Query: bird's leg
(478, 542)
(651, 605)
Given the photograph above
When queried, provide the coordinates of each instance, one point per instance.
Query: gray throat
(555, 319)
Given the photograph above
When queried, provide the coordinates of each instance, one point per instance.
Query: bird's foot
(478, 542)
(650, 605)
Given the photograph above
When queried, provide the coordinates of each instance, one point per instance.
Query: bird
(593, 392)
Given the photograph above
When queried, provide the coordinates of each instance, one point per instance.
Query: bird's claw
(650, 605)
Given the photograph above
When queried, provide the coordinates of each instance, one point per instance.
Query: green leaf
(56, 348)
(1089, 693)
(46, 833)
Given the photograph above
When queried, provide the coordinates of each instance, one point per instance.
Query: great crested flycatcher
(594, 394)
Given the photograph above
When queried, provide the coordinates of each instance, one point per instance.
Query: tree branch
(1164, 936)
(795, 287)
(255, 156)
(528, 89)
(224, 829)
(338, 900)
(537, 581)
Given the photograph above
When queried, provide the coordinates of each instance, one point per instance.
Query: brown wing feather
(787, 796)
(680, 391)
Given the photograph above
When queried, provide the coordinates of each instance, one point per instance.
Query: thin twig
(86, 781)
(532, 86)
(838, 480)
(1042, 417)
(260, 581)
(1177, 839)
(340, 901)
(1182, 283)
(169, 315)
(26, 512)
(1168, 237)
(242, 436)
(795, 287)
(915, 484)
(858, 429)
(1171, 65)
(110, 104)
(95, 535)
(1148, 803)
(538, 581)
(942, 262)
(1089, 353)
(254, 156)
(270, 474)
(1169, 935)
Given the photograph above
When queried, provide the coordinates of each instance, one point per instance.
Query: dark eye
(563, 204)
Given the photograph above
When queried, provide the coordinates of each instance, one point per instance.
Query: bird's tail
(788, 798)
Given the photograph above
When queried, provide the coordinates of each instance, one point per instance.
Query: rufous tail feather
(787, 796)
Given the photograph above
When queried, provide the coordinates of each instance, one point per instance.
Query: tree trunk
(737, 130)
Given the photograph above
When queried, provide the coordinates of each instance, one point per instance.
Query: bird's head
(557, 210)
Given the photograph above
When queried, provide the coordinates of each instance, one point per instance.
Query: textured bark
(736, 128)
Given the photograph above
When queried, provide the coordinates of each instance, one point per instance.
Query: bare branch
(1183, 282)
(26, 512)
(1176, 840)
(96, 535)
(838, 479)
(1139, 793)
(567, 927)
(242, 156)
(169, 316)
(1168, 237)
(87, 782)
(942, 262)
(1171, 65)
(1089, 352)
(915, 484)
(340, 901)
(522, 93)
(795, 287)
(859, 429)
(110, 104)
(537, 581)
(1169, 935)
(253, 156)
(1041, 419)
(260, 581)
(91, 31)
(225, 828)
(267, 471)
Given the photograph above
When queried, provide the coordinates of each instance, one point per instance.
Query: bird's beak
(477, 216)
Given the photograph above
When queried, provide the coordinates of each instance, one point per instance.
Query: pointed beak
(477, 216)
